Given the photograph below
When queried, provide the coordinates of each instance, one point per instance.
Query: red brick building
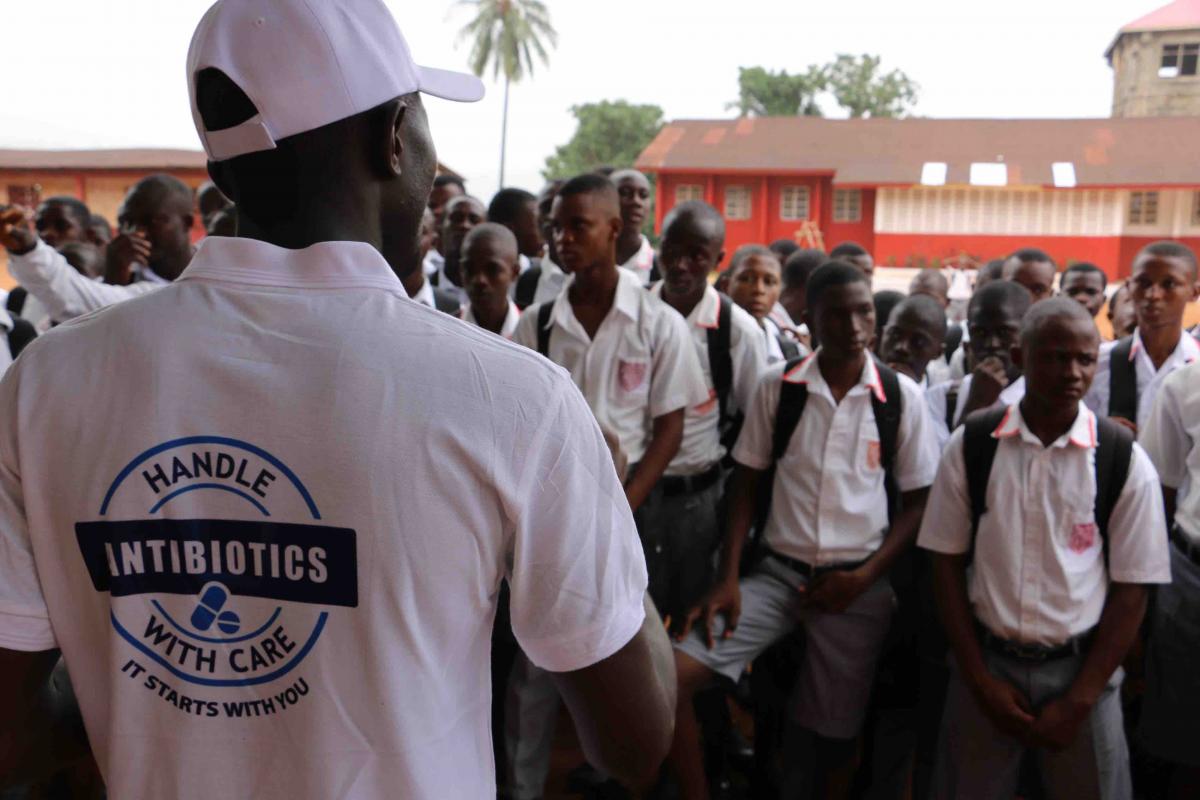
(922, 191)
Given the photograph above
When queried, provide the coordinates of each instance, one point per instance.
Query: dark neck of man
(172, 265)
(629, 241)
(595, 287)
(841, 373)
(1161, 342)
(325, 216)
(490, 318)
(684, 304)
(413, 281)
(1048, 421)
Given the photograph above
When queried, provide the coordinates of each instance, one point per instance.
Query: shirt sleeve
(24, 618)
(578, 574)
(65, 293)
(917, 453)
(677, 377)
(946, 526)
(1097, 397)
(754, 444)
(1137, 529)
(936, 398)
(749, 355)
(1165, 437)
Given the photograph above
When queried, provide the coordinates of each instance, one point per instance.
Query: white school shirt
(432, 263)
(640, 366)
(1038, 574)
(510, 319)
(1170, 436)
(770, 333)
(1148, 379)
(641, 263)
(701, 447)
(829, 505)
(550, 283)
(64, 292)
(6, 324)
(447, 285)
(936, 396)
(424, 295)
(275, 573)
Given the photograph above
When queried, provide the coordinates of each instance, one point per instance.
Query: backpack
(16, 300)
(789, 347)
(22, 333)
(1122, 381)
(792, 399)
(1114, 451)
(527, 284)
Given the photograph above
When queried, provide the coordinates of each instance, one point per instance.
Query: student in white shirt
(445, 188)
(856, 255)
(914, 337)
(1169, 727)
(543, 281)
(994, 319)
(490, 267)
(796, 270)
(462, 214)
(1162, 283)
(310, 489)
(1054, 596)
(416, 282)
(634, 251)
(755, 283)
(632, 357)
(830, 537)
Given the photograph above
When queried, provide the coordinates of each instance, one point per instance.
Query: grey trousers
(977, 762)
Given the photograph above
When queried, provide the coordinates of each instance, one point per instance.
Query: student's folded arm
(624, 706)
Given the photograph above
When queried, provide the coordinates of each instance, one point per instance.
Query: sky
(111, 74)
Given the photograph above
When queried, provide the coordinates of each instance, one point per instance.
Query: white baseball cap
(307, 63)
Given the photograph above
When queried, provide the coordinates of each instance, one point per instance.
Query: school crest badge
(1083, 537)
(874, 455)
(631, 375)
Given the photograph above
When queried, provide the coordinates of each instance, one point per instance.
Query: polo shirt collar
(707, 312)
(628, 299)
(808, 372)
(329, 265)
(1082, 432)
(1186, 352)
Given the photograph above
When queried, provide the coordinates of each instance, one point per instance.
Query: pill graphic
(212, 599)
(229, 622)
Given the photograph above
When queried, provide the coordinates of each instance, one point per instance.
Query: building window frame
(847, 205)
(687, 192)
(795, 203)
(738, 202)
(1180, 60)
(1196, 209)
(1143, 208)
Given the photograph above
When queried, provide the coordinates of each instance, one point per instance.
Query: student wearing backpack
(1057, 512)
(849, 438)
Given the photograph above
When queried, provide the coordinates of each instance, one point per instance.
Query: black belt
(672, 485)
(1185, 545)
(807, 570)
(1075, 646)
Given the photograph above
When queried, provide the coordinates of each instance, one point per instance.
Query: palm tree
(506, 35)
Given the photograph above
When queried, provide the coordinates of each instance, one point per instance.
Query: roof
(867, 152)
(102, 159)
(1180, 15)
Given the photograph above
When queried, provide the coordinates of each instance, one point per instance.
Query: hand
(1058, 722)
(1005, 706)
(987, 382)
(726, 599)
(1122, 421)
(17, 234)
(835, 591)
(122, 253)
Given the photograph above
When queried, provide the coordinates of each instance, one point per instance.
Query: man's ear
(392, 157)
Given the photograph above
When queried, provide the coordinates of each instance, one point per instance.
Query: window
(24, 195)
(686, 192)
(793, 203)
(737, 202)
(1179, 59)
(847, 205)
(1143, 208)
(1196, 209)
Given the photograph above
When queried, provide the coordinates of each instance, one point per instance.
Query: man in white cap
(269, 548)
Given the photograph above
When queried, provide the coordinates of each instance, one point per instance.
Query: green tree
(859, 87)
(611, 132)
(506, 35)
(778, 94)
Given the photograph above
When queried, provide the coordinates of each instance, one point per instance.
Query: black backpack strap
(22, 333)
(720, 359)
(1114, 452)
(527, 285)
(1122, 381)
(952, 405)
(887, 421)
(15, 303)
(789, 347)
(979, 451)
(792, 399)
(543, 328)
(954, 337)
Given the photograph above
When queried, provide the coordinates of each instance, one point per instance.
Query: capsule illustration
(212, 599)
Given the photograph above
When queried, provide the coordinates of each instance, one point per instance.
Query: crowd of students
(935, 546)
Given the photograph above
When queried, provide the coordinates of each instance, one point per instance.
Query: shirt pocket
(631, 381)
(1078, 539)
(868, 450)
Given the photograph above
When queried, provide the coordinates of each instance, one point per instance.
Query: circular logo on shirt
(221, 572)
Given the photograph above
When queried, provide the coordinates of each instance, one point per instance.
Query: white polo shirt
(432, 263)
(829, 505)
(274, 575)
(640, 366)
(510, 319)
(937, 396)
(550, 283)
(62, 290)
(701, 447)
(1038, 572)
(1148, 379)
(641, 263)
(1170, 436)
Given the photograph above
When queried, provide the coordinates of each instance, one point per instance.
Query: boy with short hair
(1033, 269)
(1057, 513)
(490, 268)
(796, 271)
(856, 255)
(1162, 283)
(755, 283)
(844, 435)
(1085, 284)
(914, 337)
(462, 213)
(634, 251)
